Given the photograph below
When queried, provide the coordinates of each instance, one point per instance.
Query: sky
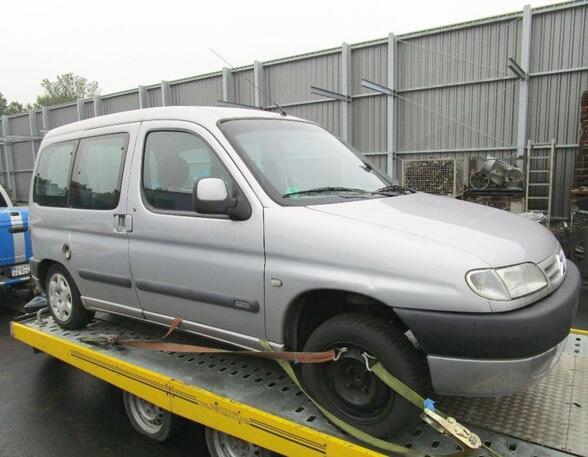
(126, 43)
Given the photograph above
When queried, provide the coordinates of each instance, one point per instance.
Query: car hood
(495, 236)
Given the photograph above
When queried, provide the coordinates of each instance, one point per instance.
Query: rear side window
(173, 162)
(50, 187)
(97, 172)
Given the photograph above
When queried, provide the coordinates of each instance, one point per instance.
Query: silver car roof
(207, 116)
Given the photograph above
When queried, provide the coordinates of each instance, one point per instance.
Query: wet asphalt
(48, 408)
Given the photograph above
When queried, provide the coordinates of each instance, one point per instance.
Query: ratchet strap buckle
(100, 340)
(450, 427)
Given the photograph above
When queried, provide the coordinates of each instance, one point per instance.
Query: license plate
(20, 270)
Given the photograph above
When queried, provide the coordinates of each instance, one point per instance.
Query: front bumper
(480, 354)
(485, 377)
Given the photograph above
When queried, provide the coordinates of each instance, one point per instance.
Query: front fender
(308, 250)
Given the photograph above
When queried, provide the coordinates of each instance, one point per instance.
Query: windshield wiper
(393, 190)
(324, 190)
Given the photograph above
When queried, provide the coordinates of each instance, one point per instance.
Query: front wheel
(221, 444)
(348, 390)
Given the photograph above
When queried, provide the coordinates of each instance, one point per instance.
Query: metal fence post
(97, 105)
(228, 85)
(259, 83)
(8, 159)
(45, 117)
(35, 132)
(143, 99)
(391, 107)
(165, 94)
(80, 108)
(346, 107)
(525, 64)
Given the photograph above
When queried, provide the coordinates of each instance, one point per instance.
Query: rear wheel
(150, 420)
(221, 444)
(64, 299)
(347, 389)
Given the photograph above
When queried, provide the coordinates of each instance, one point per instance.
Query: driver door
(207, 270)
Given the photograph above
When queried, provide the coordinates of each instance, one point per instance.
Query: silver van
(252, 225)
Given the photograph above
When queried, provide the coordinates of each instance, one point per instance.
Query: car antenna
(272, 101)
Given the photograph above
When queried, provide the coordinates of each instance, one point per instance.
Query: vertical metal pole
(35, 132)
(80, 107)
(45, 117)
(259, 82)
(345, 118)
(391, 107)
(528, 174)
(524, 84)
(3, 142)
(165, 94)
(8, 159)
(143, 99)
(97, 105)
(228, 86)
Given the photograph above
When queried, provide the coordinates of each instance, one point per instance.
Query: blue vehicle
(15, 242)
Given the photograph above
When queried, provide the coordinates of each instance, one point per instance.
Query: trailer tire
(348, 390)
(150, 420)
(64, 299)
(221, 444)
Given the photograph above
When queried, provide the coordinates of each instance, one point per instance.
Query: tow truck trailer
(253, 402)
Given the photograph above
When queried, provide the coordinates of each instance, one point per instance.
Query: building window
(173, 162)
(97, 172)
(51, 178)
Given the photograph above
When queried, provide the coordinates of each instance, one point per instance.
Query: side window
(172, 163)
(97, 172)
(51, 180)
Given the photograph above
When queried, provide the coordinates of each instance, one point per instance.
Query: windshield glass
(301, 163)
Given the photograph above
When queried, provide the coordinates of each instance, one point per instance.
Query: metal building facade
(454, 94)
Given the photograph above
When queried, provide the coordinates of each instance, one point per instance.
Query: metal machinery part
(498, 174)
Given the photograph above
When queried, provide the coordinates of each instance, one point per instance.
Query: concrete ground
(48, 408)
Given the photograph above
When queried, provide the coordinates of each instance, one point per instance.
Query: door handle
(119, 222)
(123, 223)
(128, 222)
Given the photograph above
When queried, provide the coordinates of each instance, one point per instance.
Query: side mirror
(210, 196)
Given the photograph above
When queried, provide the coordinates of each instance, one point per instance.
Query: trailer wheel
(221, 444)
(64, 299)
(348, 390)
(150, 420)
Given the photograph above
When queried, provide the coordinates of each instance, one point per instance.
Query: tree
(16, 107)
(3, 103)
(66, 88)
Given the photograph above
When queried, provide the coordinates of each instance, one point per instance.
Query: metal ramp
(255, 400)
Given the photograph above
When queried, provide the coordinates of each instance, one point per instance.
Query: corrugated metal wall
(289, 81)
(454, 94)
(244, 91)
(204, 91)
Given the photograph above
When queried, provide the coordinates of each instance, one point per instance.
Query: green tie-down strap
(396, 385)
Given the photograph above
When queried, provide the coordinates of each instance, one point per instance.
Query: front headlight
(507, 283)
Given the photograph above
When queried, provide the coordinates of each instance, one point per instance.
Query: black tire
(221, 444)
(152, 421)
(76, 316)
(348, 390)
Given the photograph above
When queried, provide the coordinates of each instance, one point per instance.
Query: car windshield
(300, 163)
